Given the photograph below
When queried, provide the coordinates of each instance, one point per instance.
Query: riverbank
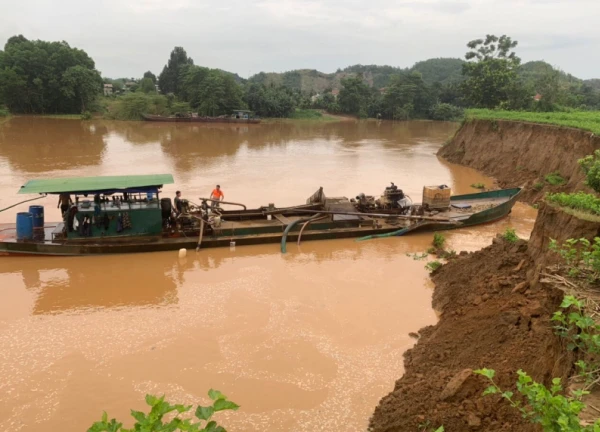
(496, 304)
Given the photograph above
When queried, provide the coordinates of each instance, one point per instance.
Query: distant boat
(238, 116)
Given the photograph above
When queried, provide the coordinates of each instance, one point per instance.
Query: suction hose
(22, 202)
(288, 229)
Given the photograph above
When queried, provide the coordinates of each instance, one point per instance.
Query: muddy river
(306, 341)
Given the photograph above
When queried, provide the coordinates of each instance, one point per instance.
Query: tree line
(52, 77)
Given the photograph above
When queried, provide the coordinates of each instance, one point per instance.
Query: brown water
(306, 341)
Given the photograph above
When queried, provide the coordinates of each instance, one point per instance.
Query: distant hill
(531, 71)
(443, 70)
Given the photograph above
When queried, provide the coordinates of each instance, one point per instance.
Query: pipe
(223, 202)
(377, 215)
(201, 234)
(287, 230)
(402, 231)
(313, 219)
(22, 202)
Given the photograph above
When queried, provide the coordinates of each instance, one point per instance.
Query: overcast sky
(128, 37)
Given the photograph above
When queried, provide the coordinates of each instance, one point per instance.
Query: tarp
(105, 184)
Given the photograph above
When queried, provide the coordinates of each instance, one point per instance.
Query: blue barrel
(24, 226)
(37, 212)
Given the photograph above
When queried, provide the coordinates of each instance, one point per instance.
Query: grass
(555, 179)
(311, 114)
(478, 186)
(433, 265)
(580, 202)
(538, 186)
(585, 120)
(61, 116)
(439, 240)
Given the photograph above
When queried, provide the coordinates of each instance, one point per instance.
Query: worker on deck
(64, 202)
(216, 194)
(177, 202)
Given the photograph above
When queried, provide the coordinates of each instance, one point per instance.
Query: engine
(392, 199)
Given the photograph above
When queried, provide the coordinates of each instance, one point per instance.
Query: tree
(490, 70)
(269, 101)
(82, 84)
(150, 75)
(39, 77)
(169, 80)
(549, 87)
(353, 97)
(146, 85)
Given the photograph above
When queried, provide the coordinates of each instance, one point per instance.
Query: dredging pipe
(223, 202)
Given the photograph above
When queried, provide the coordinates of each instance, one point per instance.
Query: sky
(128, 37)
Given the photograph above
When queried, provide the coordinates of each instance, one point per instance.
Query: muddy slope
(491, 316)
(521, 154)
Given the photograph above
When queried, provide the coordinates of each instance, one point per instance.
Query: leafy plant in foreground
(546, 407)
(581, 256)
(153, 421)
(478, 186)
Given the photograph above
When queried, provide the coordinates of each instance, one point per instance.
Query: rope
(22, 202)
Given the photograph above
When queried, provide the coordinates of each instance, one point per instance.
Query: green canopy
(107, 184)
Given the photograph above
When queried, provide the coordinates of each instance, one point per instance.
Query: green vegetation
(39, 77)
(591, 167)
(447, 112)
(153, 421)
(478, 186)
(585, 120)
(439, 240)
(433, 265)
(133, 105)
(546, 407)
(510, 235)
(431, 250)
(581, 256)
(538, 186)
(4, 112)
(555, 179)
(581, 201)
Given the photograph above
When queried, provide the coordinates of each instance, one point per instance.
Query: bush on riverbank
(4, 111)
(586, 120)
(447, 112)
(133, 105)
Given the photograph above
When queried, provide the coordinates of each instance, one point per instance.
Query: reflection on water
(305, 341)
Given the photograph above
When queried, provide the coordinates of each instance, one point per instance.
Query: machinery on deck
(393, 199)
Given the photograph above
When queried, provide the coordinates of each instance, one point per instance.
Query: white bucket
(269, 217)
(182, 253)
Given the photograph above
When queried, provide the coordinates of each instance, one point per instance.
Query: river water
(306, 341)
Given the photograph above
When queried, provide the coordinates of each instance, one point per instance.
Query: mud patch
(491, 316)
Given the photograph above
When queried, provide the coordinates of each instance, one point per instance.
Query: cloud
(128, 38)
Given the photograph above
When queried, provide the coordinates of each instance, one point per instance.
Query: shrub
(133, 105)
(538, 186)
(555, 179)
(478, 186)
(510, 235)
(439, 240)
(591, 168)
(4, 111)
(546, 407)
(153, 421)
(86, 115)
(577, 201)
(580, 256)
(447, 112)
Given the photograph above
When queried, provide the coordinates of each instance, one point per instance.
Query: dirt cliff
(492, 315)
(522, 154)
(554, 223)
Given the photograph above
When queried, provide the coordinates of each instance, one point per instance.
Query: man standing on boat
(217, 194)
(64, 201)
(177, 202)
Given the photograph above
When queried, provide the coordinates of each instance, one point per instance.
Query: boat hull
(268, 233)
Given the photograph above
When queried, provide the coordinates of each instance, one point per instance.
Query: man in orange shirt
(217, 194)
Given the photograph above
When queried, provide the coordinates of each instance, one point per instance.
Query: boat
(238, 116)
(126, 214)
